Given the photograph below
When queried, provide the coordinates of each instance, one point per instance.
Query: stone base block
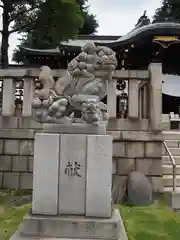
(71, 227)
(75, 128)
(173, 199)
(18, 237)
(72, 175)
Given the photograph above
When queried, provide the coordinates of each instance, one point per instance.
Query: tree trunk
(5, 36)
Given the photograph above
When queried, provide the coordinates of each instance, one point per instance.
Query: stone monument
(72, 176)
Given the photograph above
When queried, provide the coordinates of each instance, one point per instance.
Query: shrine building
(157, 43)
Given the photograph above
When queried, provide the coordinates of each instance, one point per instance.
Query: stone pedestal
(71, 227)
(72, 187)
(72, 174)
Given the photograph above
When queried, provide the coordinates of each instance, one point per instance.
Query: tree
(50, 28)
(12, 9)
(56, 21)
(169, 11)
(25, 15)
(49, 31)
(90, 23)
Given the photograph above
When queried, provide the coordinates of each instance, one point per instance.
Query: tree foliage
(90, 23)
(169, 11)
(39, 19)
(13, 10)
(56, 21)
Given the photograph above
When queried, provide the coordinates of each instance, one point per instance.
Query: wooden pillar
(155, 70)
(8, 105)
(111, 96)
(28, 97)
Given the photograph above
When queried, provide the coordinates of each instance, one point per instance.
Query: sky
(115, 17)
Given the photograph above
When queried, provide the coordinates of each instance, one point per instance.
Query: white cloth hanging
(171, 85)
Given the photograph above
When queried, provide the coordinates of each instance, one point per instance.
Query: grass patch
(142, 223)
(154, 222)
(12, 209)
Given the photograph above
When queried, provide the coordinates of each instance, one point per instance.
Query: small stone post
(155, 71)
(8, 104)
(133, 98)
(28, 97)
(145, 101)
(111, 96)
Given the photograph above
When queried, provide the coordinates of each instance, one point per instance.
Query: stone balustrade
(144, 92)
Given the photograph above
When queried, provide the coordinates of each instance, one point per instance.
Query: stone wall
(16, 152)
(142, 156)
(140, 150)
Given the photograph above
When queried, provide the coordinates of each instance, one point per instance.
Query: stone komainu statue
(80, 89)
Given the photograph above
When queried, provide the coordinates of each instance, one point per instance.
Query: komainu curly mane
(80, 87)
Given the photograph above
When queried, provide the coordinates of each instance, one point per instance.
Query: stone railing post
(145, 101)
(155, 71)
(111, 96)
(28, 97)
(8, 105)
(133, 97)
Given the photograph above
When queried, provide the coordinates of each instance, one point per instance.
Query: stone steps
(174, 151)
(171, 135)
(168, 180)
(173, 143)
(168, 169)
(174, 147)
(170, 189)
(166, 160)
